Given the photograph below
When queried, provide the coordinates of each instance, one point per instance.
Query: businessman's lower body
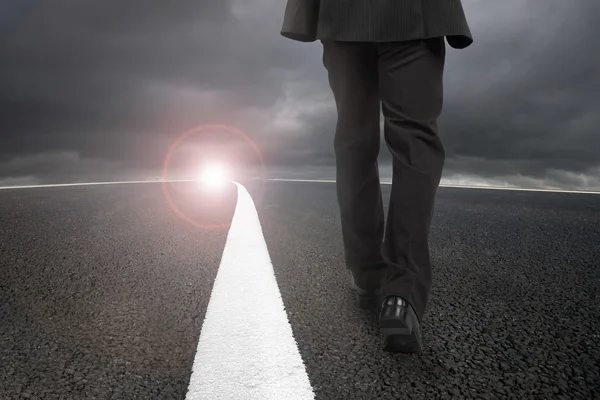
(390, 266)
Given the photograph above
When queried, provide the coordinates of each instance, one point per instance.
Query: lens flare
(167, 183)
(214, 176)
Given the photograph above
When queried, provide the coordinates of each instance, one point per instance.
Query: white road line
(297, 180)
(246, 348)
(82, 184)
(451, 186)
(303, 180)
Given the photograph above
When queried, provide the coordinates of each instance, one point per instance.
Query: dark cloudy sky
(100, 89)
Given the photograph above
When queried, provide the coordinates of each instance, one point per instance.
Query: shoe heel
(400, 336)
(400, 343)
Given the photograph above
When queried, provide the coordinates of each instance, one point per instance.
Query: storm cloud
(88, 86)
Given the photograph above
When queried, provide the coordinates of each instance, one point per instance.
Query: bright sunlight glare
(214, 175)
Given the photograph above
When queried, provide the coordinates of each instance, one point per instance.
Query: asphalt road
(103, 291)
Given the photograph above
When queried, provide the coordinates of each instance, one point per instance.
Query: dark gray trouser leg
(411, 90)
(407, 78)
(352, 71)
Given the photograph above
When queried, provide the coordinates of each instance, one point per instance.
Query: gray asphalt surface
(103, 291)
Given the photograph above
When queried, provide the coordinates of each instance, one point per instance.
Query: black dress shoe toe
(400, 326)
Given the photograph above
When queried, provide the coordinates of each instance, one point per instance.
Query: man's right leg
(411, 77)
(352, 70)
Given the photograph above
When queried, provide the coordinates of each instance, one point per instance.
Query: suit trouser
(404, 80)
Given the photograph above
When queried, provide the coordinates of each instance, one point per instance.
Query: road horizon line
(517, 189)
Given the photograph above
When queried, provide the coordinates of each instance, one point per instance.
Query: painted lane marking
(246, 348)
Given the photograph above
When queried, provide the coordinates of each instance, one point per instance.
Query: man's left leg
(352, 71)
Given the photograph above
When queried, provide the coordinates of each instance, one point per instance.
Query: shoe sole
(400, 336)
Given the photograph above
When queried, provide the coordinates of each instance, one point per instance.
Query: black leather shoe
(367, 299)
(400, 326)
